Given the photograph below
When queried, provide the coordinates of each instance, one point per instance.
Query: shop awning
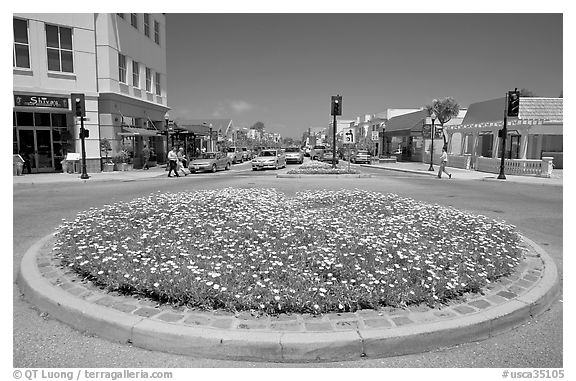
(134, 131)
(194, 129)
(533, 111)
(405, 125)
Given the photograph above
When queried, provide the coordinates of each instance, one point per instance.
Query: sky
(281, 69)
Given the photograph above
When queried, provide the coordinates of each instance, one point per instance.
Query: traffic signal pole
(502, 176)
(334, 143)
(84, 174)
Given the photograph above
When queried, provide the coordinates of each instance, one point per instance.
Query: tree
(444, 109)
(105, 146)
(258, 126)
(526, 93)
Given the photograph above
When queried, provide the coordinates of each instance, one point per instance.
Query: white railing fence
(542, 168)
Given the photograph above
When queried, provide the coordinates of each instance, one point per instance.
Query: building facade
(536, 132)
(118, 61)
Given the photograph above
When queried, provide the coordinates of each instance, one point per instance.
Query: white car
(294, 155)
(235, 154)
(269, 158)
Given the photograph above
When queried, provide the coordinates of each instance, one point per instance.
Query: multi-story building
(118, 61)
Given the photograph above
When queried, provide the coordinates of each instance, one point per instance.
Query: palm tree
(444, 109)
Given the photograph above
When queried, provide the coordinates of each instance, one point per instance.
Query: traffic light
(86, 134)
(336, 105)
(513, 103)
(78, 102)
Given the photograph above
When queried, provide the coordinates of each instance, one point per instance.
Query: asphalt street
(537, 211)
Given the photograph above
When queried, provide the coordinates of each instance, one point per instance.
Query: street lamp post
(433, 117)
(167, 120)
(210, 148)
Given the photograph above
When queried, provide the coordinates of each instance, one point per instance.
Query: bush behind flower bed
(321, 168)
(256, 249)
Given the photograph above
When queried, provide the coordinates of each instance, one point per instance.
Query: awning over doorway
(194, 129)
(134, 131)
(533, 111)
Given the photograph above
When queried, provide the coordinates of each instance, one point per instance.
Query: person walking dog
(173, 162)
(443, 163)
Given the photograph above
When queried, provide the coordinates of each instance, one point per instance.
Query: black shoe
(169, 176)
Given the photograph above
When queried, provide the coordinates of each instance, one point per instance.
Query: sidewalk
(464, 174)
(49, 178)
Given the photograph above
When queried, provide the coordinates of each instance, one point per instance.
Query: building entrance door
(36, 144)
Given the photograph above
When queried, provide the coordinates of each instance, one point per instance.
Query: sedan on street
(269, 158)
(328, 155)
(210, 161)
(360, 156)
(294, 155)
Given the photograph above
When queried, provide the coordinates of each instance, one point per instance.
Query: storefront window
(24, 119)
(42, 119)
(59, 120)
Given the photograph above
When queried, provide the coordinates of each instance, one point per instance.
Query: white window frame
(157, 32)
(135, 74)
(148, 80)
(27, 44)
(158, 87)
(121, 68)
(147, 24)
(59, 49)
(134, 20)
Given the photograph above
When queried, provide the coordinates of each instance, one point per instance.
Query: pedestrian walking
(173, 162)
(443, 163)
(181, 166)
(146, 156)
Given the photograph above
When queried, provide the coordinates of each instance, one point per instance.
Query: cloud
(241, 106)
(232, 106)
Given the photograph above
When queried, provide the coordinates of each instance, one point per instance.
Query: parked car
(360, 156)
(328, 155)
(235, 154)
(210, 161)
(246, 154)
(269, 158)
(294, 155)
(317, 151)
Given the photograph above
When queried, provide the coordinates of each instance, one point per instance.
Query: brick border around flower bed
(289, 338)
(315, 175)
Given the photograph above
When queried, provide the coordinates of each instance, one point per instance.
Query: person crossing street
(443, 163)
(173, 162)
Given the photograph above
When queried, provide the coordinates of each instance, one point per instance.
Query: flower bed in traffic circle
(257, 249)
(314, 167)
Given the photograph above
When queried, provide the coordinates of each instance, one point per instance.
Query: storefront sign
(40, 101)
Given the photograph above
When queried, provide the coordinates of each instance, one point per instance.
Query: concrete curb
(488, 177)
(210, 342)
(302, 175)
(431, 173)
